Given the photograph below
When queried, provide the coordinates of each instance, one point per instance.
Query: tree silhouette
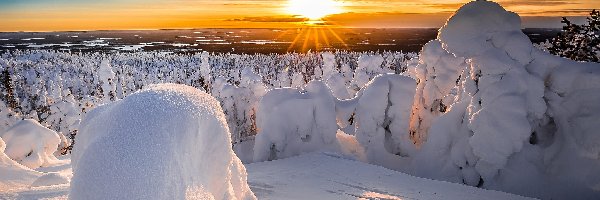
(579, 42)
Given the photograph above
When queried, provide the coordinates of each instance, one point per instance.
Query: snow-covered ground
(322, 176)
(331, 176)
(480, 108)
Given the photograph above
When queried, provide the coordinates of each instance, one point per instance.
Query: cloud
(537, 2)
(566, 12)
(389, 20)
(291, 18)
(509, 3)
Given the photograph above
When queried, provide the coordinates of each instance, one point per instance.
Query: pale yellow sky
(56, 15)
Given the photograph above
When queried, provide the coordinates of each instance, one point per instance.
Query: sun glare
(314, 9)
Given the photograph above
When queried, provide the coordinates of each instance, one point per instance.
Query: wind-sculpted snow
(292, 122)
(165, 142)
(494, 112)
(31, 144)
(382, 118)
(12, 174)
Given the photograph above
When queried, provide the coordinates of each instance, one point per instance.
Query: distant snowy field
(478, 111)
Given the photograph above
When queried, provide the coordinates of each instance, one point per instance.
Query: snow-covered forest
(57, 88)
(479, 106)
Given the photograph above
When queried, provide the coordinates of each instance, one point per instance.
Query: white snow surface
(331, 176)
(12, 174)
(49, 179)
(31, 144)
(322, 176)
(487, 110)
(165, 142)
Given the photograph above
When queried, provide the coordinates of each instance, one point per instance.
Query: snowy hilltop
(478, 108)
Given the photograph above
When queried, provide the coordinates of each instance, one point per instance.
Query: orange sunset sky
(59, 15)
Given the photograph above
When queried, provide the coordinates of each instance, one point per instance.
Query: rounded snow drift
(31, 144)
(49, 179)
(165, 142)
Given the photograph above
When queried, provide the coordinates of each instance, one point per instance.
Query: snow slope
(324, 176)
(329, 176)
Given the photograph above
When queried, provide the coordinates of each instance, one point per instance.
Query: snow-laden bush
(239, 103)
(382, 117)
(31, 144)
(293, 121)
(165, 142)
(369, 66)
(106, 77)
(7, 117)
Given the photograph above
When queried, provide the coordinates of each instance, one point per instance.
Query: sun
(314, 9)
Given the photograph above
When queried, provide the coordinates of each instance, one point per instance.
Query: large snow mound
(165, 142)
(31, 144)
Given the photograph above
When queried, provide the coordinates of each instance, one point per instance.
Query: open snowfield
(321, 176)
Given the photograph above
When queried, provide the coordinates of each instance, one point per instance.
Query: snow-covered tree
(8, 90)
(579, 42)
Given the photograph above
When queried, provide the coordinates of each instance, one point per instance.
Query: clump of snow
(382, 118)
(334, 79)
(165, 142)
(240, 103)
(107, 78)
(369, 66)
(31, 144)
(338, 86)
(12, 174)
(470, 30)
(350, 146)
(438, 72)
(293, 121)
(329, 65)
